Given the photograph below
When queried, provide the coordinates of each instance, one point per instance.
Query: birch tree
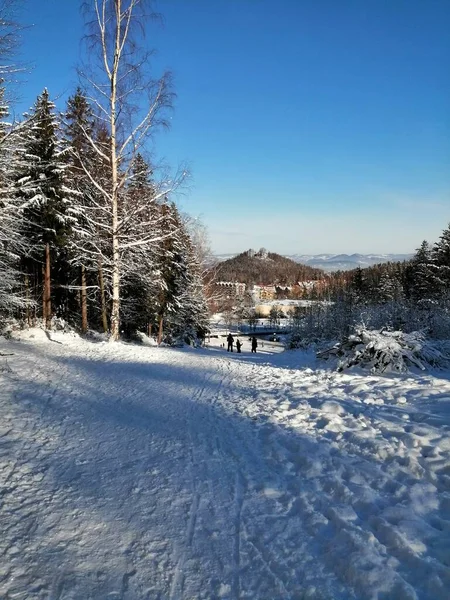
(10, 39)
(132, 105)
(12, 243)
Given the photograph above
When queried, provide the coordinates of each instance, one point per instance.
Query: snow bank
(145, 340)
(387, 351)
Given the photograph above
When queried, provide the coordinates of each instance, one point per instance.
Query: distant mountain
(346, 262)
(265, 268)
(222, 257)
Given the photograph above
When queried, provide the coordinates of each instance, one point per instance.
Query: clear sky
(309, 125)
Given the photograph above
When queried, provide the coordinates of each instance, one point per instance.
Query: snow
(134, 472)
(301, 303)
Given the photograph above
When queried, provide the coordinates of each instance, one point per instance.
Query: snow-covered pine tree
(140, 279)
(193, 304)
(78, 130)
(420, 283)
(390, 288)
(358, 291)
(181, 304)
(47, 207)
(441, 264)
(199, 256)
(88, 141)
(171, 269)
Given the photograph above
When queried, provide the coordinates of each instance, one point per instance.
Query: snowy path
(139, 473)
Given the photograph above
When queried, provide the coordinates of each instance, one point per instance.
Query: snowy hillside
(149, 473)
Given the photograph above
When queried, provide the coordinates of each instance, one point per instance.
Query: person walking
(254, 344)
(230, 341)
(238, 345)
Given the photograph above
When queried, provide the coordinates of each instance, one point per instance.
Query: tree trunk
(47, 302)
(149, 330)
(101, 283)
(35, 289)
(160, 330)
(44, 306)
(115, 311)
(27, 299)
(84, 318)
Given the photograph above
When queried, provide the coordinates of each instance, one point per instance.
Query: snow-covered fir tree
(141, 279)
(79, 129)
(358, 291)
(194, 317)
(420, 280)
(441, 263)
(47, 208)
(180, 304)
(390, 288)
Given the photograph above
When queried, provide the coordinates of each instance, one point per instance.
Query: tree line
(88, 232)
(407, 296)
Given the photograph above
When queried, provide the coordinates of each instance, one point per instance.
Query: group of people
(230, 343)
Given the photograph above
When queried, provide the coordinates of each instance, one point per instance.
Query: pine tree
(181, 304)
(441, 262)
(420, 278)
(47, 212)
(140, 281)
(389, 288)
(358, 287)
(171, 267)
(78, 130)
(88, 140)
(194, 306)
(140, 180)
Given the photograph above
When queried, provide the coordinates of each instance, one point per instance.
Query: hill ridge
(265, 268)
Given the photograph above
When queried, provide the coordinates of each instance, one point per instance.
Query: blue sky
(309, 126)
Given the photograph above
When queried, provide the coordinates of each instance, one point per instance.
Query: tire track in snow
(177, 586)
(267, 561)
(252, 454)
(212, 445)
(176, 590)
(239, 492)
(250, 468)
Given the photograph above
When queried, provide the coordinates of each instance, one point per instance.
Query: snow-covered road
(130, 473)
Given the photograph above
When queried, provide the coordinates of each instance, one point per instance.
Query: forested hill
(265, 268)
